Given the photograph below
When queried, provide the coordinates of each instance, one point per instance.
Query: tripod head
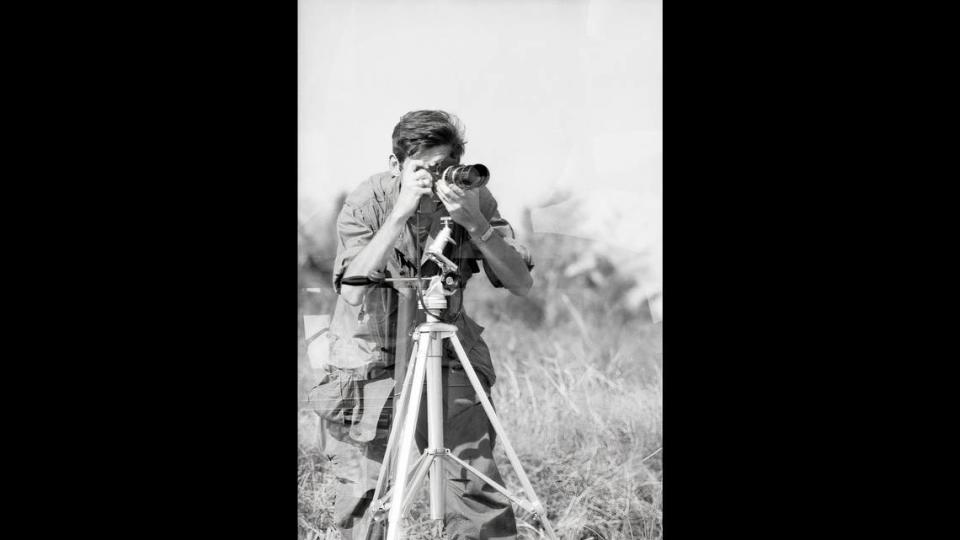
(434, 251)
(433, 290)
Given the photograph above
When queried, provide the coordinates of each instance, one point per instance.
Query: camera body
(464, 176)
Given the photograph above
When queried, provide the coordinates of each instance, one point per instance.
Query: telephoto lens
(467, 176)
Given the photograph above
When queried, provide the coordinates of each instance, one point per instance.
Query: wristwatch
(485, 236)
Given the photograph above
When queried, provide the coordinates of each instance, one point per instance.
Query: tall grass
(585, 408)
(582, 406)
(579, 393)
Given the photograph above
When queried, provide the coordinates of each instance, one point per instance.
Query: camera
(464, 176)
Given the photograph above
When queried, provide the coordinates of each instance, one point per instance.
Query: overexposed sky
(555, 95)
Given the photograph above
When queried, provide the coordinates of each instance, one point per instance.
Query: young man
(382, 230)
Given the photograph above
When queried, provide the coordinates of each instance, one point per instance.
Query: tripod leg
(417, 473)
(420, 472)
(381, 491)
(435, 427)
(405, 441)
(498, 427)
(492, 483)
(399, 406)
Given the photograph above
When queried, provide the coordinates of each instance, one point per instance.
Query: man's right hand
(415, 182)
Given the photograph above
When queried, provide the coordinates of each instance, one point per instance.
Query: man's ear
(394, 165)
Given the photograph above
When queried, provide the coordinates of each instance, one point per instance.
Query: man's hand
(415, 182)
(463, 205)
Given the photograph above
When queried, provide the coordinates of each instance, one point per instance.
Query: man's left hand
(463, 205)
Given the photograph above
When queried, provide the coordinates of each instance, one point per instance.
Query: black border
(174, 258)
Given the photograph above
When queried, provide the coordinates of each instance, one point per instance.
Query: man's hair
(418, 130)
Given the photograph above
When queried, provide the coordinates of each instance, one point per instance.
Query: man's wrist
(482, 234)
(397, 217)
(478, 228)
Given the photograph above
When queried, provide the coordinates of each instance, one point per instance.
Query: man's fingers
(449, 189)
(447, 202)
(411, 164)
(456, 189)
(421, 178)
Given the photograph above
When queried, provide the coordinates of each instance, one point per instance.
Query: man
(382, 230)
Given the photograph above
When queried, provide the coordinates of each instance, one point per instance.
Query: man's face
(428, 158)
(436, 157)
(431, 157)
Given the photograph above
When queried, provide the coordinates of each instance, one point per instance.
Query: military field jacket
(368, 341)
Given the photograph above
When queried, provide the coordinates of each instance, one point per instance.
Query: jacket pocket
(352, 404)
(334, 398)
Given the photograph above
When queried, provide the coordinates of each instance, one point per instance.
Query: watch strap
(486, 234)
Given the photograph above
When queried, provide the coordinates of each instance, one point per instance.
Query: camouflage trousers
(474, 510)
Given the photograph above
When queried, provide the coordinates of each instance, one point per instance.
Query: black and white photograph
(480, 269)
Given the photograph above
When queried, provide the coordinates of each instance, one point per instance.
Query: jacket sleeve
(488, 207)
(354, 232)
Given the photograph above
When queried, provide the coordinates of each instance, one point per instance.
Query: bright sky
(555, 95)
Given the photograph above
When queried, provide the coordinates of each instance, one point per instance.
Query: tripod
(425, 368)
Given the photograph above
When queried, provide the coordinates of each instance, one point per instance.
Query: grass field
(579, 392)
(581, 402)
